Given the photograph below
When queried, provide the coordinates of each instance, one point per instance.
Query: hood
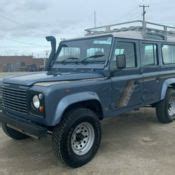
(29, 79)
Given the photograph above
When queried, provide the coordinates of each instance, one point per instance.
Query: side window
(168, 52)
(127, 48)
(149, 57)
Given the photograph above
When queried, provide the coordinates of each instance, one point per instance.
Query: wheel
(166, 108)
(13, 133)
(77, 138)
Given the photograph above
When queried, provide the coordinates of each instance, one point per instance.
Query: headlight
(36, 101)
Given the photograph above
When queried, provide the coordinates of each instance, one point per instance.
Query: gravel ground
(133, 144)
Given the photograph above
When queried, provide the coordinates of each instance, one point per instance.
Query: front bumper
(24, 126)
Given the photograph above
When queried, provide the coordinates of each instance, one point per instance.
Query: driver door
(126, 86)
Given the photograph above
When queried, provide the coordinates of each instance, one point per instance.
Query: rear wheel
(77, 138)
(16, 135)
(166, 108)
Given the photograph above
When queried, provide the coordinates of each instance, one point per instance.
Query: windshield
(85, 51)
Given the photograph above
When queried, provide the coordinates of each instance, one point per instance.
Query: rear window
(168, 52)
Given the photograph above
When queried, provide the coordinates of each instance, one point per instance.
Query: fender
(165, 86)
(65, 102)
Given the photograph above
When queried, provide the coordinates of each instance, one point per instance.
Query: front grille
(0, 99)
(14, 99)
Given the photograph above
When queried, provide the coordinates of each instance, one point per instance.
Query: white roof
(152, 31)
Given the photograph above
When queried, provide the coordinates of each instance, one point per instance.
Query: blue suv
(106, 73)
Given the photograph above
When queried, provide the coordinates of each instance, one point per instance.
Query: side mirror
(121, 61)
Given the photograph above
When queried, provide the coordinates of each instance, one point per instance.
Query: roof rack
(137, 25)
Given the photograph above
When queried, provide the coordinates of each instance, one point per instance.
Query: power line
(131, 13)
(17, 23)
(25, 43)
(9, 19)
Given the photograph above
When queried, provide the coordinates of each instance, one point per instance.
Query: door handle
(158, 79)
(136, 82)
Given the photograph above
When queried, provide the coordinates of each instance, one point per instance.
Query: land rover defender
(112, 70)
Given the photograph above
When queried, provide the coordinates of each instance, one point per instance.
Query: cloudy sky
(25, 23)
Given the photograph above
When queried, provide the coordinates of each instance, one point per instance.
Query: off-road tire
(13, 133)
(162, 108)
(62, 133)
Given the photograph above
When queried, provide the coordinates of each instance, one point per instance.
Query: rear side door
(150, 71)
(126, 87)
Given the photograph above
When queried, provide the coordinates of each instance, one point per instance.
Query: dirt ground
(133, 144)
(5, 74)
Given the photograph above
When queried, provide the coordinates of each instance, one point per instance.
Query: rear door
(126, 87)
(150, 71)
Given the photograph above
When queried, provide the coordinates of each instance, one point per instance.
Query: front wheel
(77, 138)
(166, 108)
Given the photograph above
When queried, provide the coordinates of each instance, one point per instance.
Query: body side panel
(72, 99)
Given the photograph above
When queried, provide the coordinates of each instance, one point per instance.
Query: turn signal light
(41, 109)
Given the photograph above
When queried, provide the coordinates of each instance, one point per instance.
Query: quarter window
(168, 52)
(149, 57)
(128, 49)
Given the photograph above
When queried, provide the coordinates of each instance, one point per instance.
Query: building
(20, 63)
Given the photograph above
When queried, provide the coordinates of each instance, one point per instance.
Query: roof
(135, 30)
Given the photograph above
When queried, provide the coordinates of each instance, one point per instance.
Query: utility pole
(144, 14)
(95, 19)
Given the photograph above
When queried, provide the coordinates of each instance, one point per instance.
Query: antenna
(95, 18)
(144, 14)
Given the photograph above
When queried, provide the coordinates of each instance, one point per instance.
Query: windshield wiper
(70, 58)
(84, 60)
(93, 56)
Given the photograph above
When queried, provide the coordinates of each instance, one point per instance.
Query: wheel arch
(169, 83)
(84, 99)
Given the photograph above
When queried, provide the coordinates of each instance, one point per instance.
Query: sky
(25, 23)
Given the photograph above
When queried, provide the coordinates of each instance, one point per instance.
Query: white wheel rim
(82, 138)
(171, 107)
